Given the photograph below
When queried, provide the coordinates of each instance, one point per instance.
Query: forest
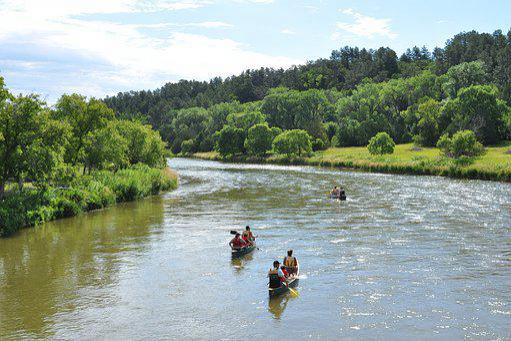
(343, 100)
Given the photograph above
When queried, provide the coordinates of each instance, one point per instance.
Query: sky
(101, 47)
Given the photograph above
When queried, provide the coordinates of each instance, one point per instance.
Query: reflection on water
(404, 257)
(277, 305)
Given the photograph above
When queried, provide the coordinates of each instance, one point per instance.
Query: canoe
(243, 251)
(291, 283)
(341, 197)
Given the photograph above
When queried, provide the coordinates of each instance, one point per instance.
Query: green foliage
(477, 108)
(106, 148)
(331, 129)
(192, 123)
(188, 147)
(293, 142)
(318, 144)
(428, 131)
(144, 145)
(31, 142)
(230, 141)
(462, 143)
(259, 139)
(84, 117)
(381, 144)
(97, 190)
(245, 120)
(464, 75)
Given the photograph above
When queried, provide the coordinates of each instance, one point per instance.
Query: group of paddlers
(240, 241)
(338, 193)
(287, 269)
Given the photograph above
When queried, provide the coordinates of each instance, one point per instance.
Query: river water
(404, 257)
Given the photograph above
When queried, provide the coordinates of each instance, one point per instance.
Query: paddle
(233, 232)
(293, 291)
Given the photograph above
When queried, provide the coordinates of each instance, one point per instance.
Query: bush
(259, 139)
(293, 142)
(462, 143)
(381, 144)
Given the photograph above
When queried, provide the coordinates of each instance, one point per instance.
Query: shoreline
(333, 158)
(35, 208)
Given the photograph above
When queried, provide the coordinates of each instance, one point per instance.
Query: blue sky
(101, 47)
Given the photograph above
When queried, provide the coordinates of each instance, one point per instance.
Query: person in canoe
(335, 192)
(248, 237)
(276, 274)
(237, 243)
(291, 263)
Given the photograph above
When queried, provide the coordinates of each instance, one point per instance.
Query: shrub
(293, 142)
(259, 139)
(462, 143)
(381, 144)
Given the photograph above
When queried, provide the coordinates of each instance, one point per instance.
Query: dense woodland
(343, 100)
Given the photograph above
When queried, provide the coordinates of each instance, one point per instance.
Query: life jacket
(238, 242)
(275, 281)
(290, 262)
(248, 236)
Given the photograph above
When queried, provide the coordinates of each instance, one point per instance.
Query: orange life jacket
(290, 262)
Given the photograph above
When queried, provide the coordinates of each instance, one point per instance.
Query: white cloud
(287, 31)
(116, 56)
(364, 26)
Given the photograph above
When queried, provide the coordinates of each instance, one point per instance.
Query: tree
(463, 143)
(144, 144)
(105, 148)
(428, 131)
(246, 119)
(381, 144)
(84, 117)
(478, 108)
(191, 123)
(188, 147)
(464, 75)
(259, 139)
(293, 142)
(230, 141)
(31, 144)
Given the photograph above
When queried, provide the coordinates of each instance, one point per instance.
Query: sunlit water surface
(404, 257)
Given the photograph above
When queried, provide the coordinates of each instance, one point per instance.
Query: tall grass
(95, 191)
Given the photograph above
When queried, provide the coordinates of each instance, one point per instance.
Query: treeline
(344, 70)
(75, 156)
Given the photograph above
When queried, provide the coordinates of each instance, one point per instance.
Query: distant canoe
(243, 251)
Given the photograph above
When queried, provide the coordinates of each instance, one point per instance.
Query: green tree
(31, 144)
(106, 148)
(191, 123)
(464, 75)
(84, 117)
(381, 144)
(259, 139)
(293, 142)
(479, 109)
(230, 141)
(188, 147)
(428, 130)
(245, 120)
(144, 144)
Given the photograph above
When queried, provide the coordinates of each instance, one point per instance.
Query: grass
(100, 189)
(495, 164)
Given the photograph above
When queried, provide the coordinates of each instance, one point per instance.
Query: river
(404, 257)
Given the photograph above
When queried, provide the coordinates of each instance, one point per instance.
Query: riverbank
(86, 193)
(494, 165)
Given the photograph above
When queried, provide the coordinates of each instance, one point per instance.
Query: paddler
(248, 237)
(237, 243)
(291, 263)
(277, 271)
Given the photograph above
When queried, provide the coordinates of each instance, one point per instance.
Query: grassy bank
(495, 164)
(98, 190)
